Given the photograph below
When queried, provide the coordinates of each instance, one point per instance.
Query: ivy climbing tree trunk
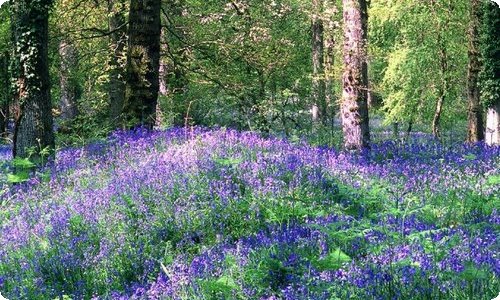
(143, 61)
(118, 43)
(355, 76)
(475, 128)
(318, 80)
(33, 131)
(70, 90)
(490, 75)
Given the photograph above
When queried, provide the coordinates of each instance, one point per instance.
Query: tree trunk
(318, 81)
(143, 61)
(70, 90)
(163, 91)
(34, 124)
(4, 94)
(355, 77)
(395, 130)
(475, 128)
(490, 76)
(118, 40)
(443, 89)
(329, 64)
(408, 129)
(493, 125)
(436, 132)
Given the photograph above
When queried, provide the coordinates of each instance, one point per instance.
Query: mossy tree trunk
(33, 123)
(475, 128)
(143, 61)
(490, 75)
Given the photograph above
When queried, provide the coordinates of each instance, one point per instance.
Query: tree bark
(318, 81)
(118, 42)
(355, 77)
(163, 91)
(70, 91)
(33, 124)
(443, 63)
(490, 75)
(442, 90)
(475, 128)
(493, 125)
(4, 94)
(329, 64)
(143, 60)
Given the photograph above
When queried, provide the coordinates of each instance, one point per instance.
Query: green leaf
(334, 260)
(469, 156)
(228, 282)
(18, 177)
(228, 162)
(471, 273)
(22, 163)
(493, 179)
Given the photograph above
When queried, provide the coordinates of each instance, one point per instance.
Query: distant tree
(355, 78)
(330, 44)
(143, 62)
(418, 61)
(318, 80)
(33, 123)
(118, 41)
(444, 67)
(490, 75)
(70, 87)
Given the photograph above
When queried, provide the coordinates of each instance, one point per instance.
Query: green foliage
(244, 66)
(490, 46)
(23, 168)
(407, 39)
(333, 260)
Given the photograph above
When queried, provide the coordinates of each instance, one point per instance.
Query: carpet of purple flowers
(220, 214)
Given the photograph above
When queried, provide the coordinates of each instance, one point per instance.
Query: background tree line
(83, 68)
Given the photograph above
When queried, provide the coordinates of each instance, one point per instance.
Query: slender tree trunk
(408, 129)
(34, 123)
(4, 94)
(493, 124)
(143, 62)
(475, 128)
(329, 64)
(70, 91)
(318, 81)
(443, 64)
(443, 89)
(354, 112)
(118, 42)
(163, 91)
(436, 132)
(395, 130)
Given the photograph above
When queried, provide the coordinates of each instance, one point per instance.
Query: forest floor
(221, 214)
